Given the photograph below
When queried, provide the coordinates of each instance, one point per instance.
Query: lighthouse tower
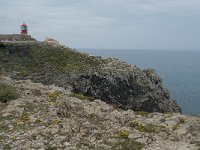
(24, 29)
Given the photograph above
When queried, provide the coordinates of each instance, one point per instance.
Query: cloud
(160, 24)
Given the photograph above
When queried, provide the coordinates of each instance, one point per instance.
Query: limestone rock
(90, 125)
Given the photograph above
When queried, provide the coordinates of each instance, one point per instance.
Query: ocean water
(179, 71)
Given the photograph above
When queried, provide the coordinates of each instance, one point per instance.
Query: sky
(107, 24)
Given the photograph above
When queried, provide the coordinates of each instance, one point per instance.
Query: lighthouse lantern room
(24, 29)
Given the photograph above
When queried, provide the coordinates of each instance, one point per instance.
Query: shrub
(53, 95)
(7, 92)
(123, 134)
(141, 127)
(149, 128)
(134, 124)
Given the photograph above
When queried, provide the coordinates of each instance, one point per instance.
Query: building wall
(15, 37)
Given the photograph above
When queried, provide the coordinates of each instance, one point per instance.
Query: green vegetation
(40, 59)
(51, 148)
(123, 134)
(149, 128)
(56, 121)
(66, 60)
(25, 118)
(128, 144)
(81, 96)
(125, 143)
(7, 92)
(6, 147)
(53, 95)
(142, 113)
(176, 127)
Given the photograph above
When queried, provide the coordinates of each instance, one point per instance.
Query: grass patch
(44, 61)
(7, 92)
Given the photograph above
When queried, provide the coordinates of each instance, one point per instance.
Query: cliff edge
(110, 80)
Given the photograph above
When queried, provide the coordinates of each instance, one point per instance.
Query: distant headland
(24, 37)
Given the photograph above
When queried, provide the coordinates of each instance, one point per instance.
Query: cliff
(42, 117)
(110, 80)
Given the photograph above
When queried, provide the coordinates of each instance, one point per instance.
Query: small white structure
(51, 40)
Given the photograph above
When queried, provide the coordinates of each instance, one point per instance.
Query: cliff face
(127, 87)
(110, 80)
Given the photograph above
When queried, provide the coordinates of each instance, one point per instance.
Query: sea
(178, 69)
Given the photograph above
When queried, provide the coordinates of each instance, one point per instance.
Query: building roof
(24, 25)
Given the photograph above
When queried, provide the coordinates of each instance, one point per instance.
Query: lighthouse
(24, 29)
(18, 37)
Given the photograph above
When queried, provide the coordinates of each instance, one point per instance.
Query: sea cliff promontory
(53, 97)
(113, 81)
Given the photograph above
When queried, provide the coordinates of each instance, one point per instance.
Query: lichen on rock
(51, 117)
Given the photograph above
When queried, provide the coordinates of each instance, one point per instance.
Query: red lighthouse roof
(24, 29)
(24, 25)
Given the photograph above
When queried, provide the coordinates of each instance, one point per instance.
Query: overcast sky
(113, 24)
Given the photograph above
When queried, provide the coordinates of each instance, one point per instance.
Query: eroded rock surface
(51, 117)
(126, 86)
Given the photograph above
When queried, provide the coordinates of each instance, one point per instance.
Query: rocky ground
(51, 118)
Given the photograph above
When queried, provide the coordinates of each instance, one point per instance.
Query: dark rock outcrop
(126, 86)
